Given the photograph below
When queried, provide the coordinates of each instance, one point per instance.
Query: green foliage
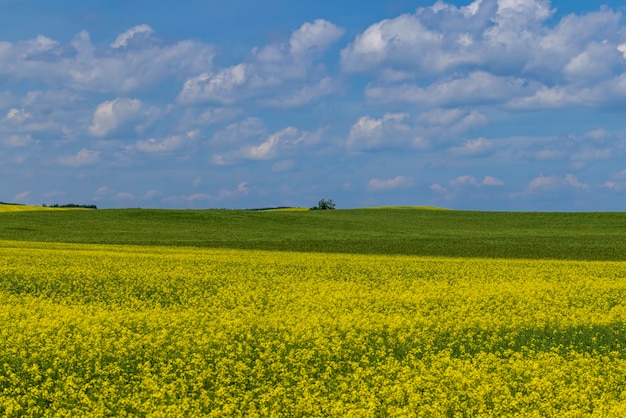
(324, 204)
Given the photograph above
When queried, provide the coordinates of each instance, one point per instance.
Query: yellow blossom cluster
(103, 330)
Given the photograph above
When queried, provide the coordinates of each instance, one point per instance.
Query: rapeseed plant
(98, 330)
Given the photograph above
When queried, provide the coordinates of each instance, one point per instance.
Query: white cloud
(80, 65)
(400, 130)
(611, 185)
(551, 183)
(168, 144)
(377, 185)
(463, 180)
(597, 62)
(441, 117)
(189, 200)
(370, 133)
(463, 183)
(239, 132)
(314, 37)
(110, 115)
(389, 40)
(17, 141)
(38, 45)
(474, 147)
(193, 200)
(307, 94)
(103, 192)
(280, 144)
(151, 194)
(209, 116)
(605, 93)
(477, 88)
(492, 181)
(283, 75)
(267, 149)
(84, 157)
(598, 134)
(17, 116)
(242, 188)
(214, 87)
(122, 39)
(438, 188)
(282, 140)
(492, 51)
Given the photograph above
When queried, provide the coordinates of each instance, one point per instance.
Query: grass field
(186, 313)
(574, 236)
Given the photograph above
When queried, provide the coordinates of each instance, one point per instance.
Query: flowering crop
(24, 208)
(128, 330)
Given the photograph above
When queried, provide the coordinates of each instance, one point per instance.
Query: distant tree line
(14, 204)
(271, 208)
(71, 205)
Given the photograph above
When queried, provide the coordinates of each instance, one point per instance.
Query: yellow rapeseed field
(88, 330)
(23, 208)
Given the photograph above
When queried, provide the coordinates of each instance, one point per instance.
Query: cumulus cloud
(170, 143)
(492, 181)
(370, 133)
(114, 114)
(550, 183)
(474, 147)
(307, 94)
(477, 88)
(280, 144)
(377, 185)
(606, 93)
(463, 183)
(239, 132)
(493, 51)
(289, 66)
(267, 149)
(17, 116)
(214, 87)
(209, 116)
(314, 37)
(401, 130)
(83, 157)
(82, 66)
(444, 37)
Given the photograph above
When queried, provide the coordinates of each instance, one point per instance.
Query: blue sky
(491, 105)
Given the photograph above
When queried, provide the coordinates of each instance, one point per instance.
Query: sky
(514, 105)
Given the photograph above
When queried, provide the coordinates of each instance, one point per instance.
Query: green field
(385, 312)
(572, 236)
